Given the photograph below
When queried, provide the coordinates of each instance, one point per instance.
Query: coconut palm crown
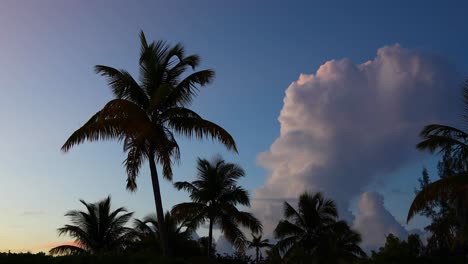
(214, 196)
(258, 243)
(97, 230)
(313, 232)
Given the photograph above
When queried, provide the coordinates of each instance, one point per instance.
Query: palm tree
(215, 195)
(453, 142)
(313, 214)
(147, 115)
(339, 244)
(258, 243)
(97, 230)
(312, 232)
(179, 233)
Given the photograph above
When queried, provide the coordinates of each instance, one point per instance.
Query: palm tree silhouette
(97, 230)
(339, 244)
(452, 141)
(215, 195)
(147, 115)
(258, 243)
(313, 231)
(179, 232)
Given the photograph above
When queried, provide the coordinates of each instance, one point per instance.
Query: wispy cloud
(33, 213)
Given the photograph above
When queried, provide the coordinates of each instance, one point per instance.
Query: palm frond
(201, 128)
(442, 137)
(236, 195)
(286, 228)
(183, 93)
(440, 189)
(187, 186)
(232, 232)
(123, 85)
(67, 250)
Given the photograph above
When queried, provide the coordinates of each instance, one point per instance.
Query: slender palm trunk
(210, 237)
(159, 209)
(257, 251)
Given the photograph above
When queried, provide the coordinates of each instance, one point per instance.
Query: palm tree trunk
(257, 249)
(159, 209)
(210, 237)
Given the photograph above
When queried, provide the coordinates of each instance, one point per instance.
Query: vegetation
(258, 243)
(98, 230)
(215, 195)
(147, 115)
(445, 201)
(179, 233)
(313, 233)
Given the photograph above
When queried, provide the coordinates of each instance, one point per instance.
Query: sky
(369, 75)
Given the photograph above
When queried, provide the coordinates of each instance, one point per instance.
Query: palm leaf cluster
(98, 230)
(179, 232)
(214, 196)
(258, 243)
(146, 114)
(452, 142)
(313, 232)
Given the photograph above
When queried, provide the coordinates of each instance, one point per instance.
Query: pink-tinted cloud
(375, 222)
(349, 124)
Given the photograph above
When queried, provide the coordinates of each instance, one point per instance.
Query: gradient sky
(48, 50)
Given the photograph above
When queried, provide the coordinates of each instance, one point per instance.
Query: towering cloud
(375, 222)
(348, 124)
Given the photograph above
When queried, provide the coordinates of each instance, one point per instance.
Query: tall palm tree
(215, 195)
(258, 243)
(452, 141)
(147, 115)
(313, 230)
(97, 230)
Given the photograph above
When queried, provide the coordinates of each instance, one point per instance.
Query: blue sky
(48, 50)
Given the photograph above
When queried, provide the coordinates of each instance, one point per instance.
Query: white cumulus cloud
(348, 124)
(374, 222)
(223, 246)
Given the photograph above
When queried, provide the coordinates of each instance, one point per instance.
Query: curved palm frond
(183, 93)
(200, 129)
(96, 230)
(440, 189)
(67, 250)
(123, 85)
(286, 228)
(215, 195)
(313, 231)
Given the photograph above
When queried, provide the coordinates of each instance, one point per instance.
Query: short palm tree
(97, 230)
(302, 227)
(313, 230)
(179, 232)
(338, 244)
(453, 141)
(215, 195)
(146, 115)
(258, 243)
